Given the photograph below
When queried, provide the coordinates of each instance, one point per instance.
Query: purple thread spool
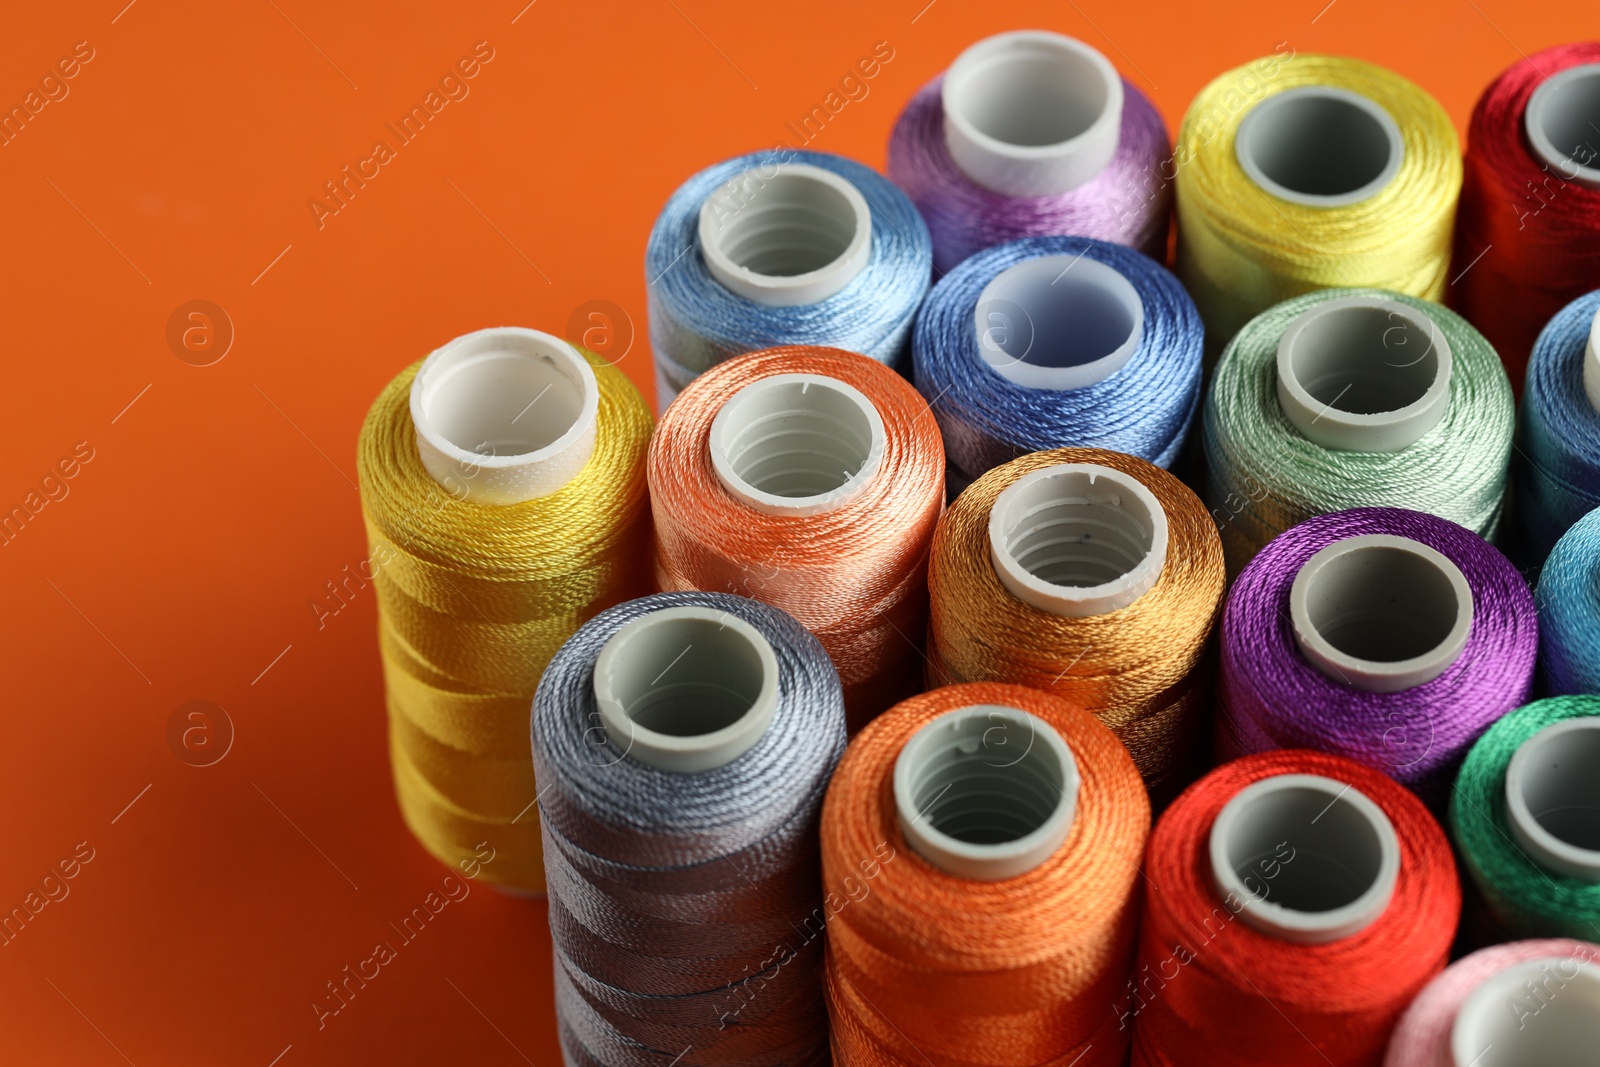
(1041, 137)
(1397, 649)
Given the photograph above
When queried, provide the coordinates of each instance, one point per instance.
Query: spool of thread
(980, 850)
(683, 743)
(1354, 398)
(1389, 637)
(502, 482)
(1569, 611)
(1525, 813)
(782, 248)
(1526, 1004)
(1345, 897)
(1558, 463)
(1090, 574)
(1057, 341)
(1528, 232)
(1031, 134)
(1304, 172)
(811, 479)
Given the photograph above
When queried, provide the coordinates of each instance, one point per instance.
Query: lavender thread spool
(1387, 636)
(1033, 134)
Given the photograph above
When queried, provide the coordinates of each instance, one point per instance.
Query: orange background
(184, 559)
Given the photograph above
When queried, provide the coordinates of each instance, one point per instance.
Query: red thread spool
(1214, 988)
(1528, 225)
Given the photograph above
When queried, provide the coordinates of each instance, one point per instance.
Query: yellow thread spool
(1304, 172)
(502, 482)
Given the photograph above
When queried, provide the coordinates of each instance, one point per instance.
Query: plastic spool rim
(1055, 306)
(1364, 352)
(1591, 364)
(1561, 110)
(795, 214)
(960, 766)
(1070, 504)
(1556, 771)
(1033, 85)
(476, 390)
(764, 428)
(1538, 1013)
(650, 657)
(1356, 124)
(1316, 817)
(1359, 580)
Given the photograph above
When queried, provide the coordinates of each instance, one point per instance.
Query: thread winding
(1537, 233)
(1569, 611)
(855, 575)
(1144, 408)
(1125, 203)
(1524, 898)
(1141, 669)
(1422, 1037)
(1558, 463)
(472, 603)
(928, 968)
(1241, 249)
(1269, 696)
(1264, 476)
(679, 903)
(696, 322)
(1210, 991)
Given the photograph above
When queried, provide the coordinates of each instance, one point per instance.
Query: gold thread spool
(1141, 666)
(474, 598)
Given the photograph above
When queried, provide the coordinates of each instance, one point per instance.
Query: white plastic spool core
(1539, 1013)
(1364, 374)
(1031, 113)
(1058, 322)
(504, 415)
(686, 689)
(1304, 858)
(797, 444)
(1591, 364)
(1553, 798)
(1562, 121)
(785, 234)
(1319, 146)
(986, 792)
(1380, 613)
(1077, 539)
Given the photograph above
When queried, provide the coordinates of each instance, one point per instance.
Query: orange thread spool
(1139, 664)
(1213, 990)
(928, 967)
(810, 479)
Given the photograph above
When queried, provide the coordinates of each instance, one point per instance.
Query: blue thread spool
(1049, 342)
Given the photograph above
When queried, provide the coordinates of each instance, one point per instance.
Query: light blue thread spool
(794, 260)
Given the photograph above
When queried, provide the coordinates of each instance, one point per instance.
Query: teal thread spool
(1569, 611)
(1526, 815)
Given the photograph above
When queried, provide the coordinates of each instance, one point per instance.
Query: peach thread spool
(810, 479)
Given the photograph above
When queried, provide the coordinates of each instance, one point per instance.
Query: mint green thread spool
(1395, 402)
